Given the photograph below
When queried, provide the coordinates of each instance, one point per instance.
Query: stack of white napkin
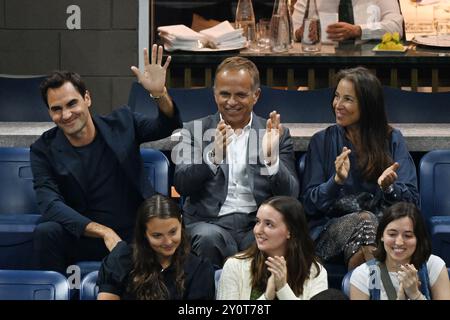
(179, 37)
(220, 37)
(224, 36)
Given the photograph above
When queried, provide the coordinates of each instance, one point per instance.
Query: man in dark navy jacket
(88, 173)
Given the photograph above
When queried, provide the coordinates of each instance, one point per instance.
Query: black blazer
(59, 181)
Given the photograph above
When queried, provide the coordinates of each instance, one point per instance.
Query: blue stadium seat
(192, 103)
(89, 288)
(87, 267)
(16, 181)
(336, 271)
(156, 166)
(314, 106)
(18, 208)
(408, 106)
(217, 275)
(311, 106)
(434, 177)
(20, 99)
(345, 287)
(300, 169)
(33, 285)
(294, 106)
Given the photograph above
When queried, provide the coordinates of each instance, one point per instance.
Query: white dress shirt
(375, 17)
(239, 196)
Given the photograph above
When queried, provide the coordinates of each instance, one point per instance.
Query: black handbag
(363, 201)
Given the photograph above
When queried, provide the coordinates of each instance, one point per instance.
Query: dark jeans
(55, 248)
(223, 238)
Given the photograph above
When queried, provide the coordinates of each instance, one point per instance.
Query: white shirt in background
(375, 17)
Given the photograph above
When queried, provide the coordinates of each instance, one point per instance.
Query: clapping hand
(271, 139)
(278, 269)
(270, 288)
(221, 141)
(401, 293)
(409, 281)
(388, 176)
(153, 77)
(342, 165)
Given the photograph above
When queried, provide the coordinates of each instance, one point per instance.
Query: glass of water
(252, 38)
(263, 29)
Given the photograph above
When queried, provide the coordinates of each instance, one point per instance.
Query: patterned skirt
(346, 235)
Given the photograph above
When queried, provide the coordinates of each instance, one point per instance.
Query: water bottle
(291, 26)
(280, 27)
(245, 20)
(311, 28)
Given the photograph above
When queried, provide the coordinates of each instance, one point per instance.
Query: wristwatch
(212, 157)
(160, 96)
(389, 189)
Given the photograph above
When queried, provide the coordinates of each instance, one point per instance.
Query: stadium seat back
(33, 285)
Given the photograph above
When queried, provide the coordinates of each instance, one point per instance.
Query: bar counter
(417, 67)
(419, 137)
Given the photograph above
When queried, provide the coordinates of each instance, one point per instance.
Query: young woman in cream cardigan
(281, 264)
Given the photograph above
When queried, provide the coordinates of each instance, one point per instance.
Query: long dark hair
(300, 247)
(146, 279)
(423, 243)
(374, 130)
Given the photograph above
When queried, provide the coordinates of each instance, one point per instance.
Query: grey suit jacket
(205, 191)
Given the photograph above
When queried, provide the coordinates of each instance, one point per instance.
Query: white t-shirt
(360, 276)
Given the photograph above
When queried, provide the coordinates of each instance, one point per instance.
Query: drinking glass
(252, 38)
(263, 29)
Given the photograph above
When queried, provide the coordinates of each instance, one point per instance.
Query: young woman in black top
(159, 265)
